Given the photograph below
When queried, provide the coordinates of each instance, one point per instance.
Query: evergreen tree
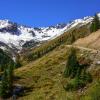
(18, 63)
(72, 38)
(95, 24)
(4, 85)
(10, 78)
(76, 71)
(72, 64)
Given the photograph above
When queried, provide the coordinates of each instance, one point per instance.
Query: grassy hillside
(68, 37)
(44, 79)
(42, 73)
(91, 41)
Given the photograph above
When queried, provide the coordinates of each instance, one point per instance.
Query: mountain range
(58, 62)
(17, 36)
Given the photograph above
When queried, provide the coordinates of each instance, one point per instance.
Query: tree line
(6, 75)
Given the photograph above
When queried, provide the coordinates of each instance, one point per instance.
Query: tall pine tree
(95, 24)
(10, 78)
(72, 64)
(6, 86)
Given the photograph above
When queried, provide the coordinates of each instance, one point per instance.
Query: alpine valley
(60, 62)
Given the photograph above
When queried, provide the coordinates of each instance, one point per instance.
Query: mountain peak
(4, 23)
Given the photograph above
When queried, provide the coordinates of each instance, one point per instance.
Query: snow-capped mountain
(16, 36)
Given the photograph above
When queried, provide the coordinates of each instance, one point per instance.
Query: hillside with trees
(65, 68)
(68, 71)
(7, 66)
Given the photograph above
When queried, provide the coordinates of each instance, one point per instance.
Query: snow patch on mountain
(4, 23)
(98, 15)
(3, 48)
(22, 34)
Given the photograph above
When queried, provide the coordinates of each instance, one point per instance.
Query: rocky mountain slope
(18, 36)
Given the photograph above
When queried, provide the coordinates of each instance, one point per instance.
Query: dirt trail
(83, 48)
(91, 41)
(94, 52)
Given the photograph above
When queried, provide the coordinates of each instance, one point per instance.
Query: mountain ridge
(17, 35)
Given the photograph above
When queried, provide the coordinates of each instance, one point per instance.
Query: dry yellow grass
(91, 41)
(44, 76)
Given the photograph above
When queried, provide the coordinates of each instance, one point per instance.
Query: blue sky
(46, 12)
